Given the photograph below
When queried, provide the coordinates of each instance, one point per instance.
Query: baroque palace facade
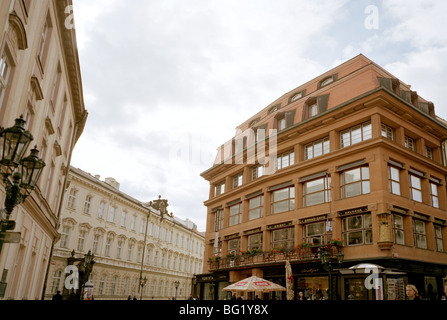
(130, 240)
(353, 161)
(40, 80)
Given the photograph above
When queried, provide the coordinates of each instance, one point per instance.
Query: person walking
(412, 292)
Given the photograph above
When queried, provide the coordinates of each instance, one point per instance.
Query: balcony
(258, 258)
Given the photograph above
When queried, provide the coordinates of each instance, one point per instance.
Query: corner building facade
(353, 155)
(40, 79)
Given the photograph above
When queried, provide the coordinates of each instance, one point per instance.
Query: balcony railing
(271, 257)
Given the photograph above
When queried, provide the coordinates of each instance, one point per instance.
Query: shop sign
(354, 211)
(252, 231)
(313, 219)
(280, 225)
(400, 210)
(310, 270)
(231, 236)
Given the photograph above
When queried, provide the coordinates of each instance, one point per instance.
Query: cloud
(167, 82)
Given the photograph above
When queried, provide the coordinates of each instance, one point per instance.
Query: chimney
(112, 182)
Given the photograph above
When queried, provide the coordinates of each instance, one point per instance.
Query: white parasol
(254, 283)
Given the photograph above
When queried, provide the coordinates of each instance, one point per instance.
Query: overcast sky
(166, 82)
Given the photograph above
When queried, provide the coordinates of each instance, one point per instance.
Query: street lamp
(143, 282)
(25, 172)
(176, 284)
(85, 267)
(329, 263)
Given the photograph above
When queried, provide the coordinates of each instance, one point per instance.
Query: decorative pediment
(16, 24)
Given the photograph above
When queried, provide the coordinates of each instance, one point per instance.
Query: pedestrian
(412, 292)
(301, 296)
(190, 297)
(445, 288)
(134, 298)
(57, 296)
(129, 298)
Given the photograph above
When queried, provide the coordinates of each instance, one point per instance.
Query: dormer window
(313, 110)
(274, 108)
(297, 95)
(326, 81)
(315, 105)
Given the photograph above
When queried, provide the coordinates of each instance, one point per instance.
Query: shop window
(398, 229)
(316, 148)
(316, 233)
(283, 200)
(256, 208)
(235, 214)
(282, 237)
(355, 182)
(394, 180)
(420, 236)
(357, 229)
(316, 191)
(355, 134)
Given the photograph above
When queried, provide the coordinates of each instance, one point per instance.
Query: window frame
(290, 200)
(362, 181)
(325, 148)
(326, 191)
(259, 209)
(365, 228)
(234, 217)
(365, 134)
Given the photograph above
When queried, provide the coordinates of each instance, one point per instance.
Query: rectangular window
(398, 229)
(420, 237)
(387, 132)
(415, 188)
(107, 248)
(81, 240)
(123, 218)
(235, 214)
(283, 200)
(355, 134)
(5, 68)
(313, 110)
(133, 222)
(111, 217)
(119, 249)
(254, 241)
(256, 208)
(316, 233)
(394, 180)
(285, 160)
(355, 182)
(316, 148)
(357, 229)
(438, 238)
(218, 219)
(65, 235)
(283, 237)
(101, 209)
(429, 152)
(409, 143)
(234, 246)
(434, 195)
(72, 199)
(257, 171)
(96, 241)
(316, 191)
(220, 188)
(87, 204)
(237, 180)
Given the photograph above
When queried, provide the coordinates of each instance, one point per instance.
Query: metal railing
(271, 257)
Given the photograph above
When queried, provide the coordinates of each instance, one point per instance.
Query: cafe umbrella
(254, 284)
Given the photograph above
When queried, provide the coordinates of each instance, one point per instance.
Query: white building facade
(128, 238)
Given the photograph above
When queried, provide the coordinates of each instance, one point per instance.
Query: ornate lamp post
(176, 284)
(329, 263)
(85, 267)
(25, 172)
(143, 282)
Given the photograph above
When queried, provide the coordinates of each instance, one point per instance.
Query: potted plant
(303, 248)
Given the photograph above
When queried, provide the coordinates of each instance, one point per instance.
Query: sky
(166, 82)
